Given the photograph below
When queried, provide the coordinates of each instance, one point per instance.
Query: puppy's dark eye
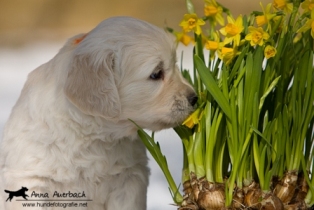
(156, 75)
(158, 72)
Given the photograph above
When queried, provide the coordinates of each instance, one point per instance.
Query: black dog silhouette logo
(18, 193)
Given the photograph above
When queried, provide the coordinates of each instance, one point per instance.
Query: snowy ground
(16, 63)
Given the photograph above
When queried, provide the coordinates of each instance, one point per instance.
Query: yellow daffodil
(261, 20)
(227, 54)
(226, 50)
(191, 22)
(266, 17)
(214, 12)
(183, 38)
(256, 36)
(232, 31)
(213, 45)
(307, 5)
(284, 5)
(193, 119)
(308, 25)
(269, 51)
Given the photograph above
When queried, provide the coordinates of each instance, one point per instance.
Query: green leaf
(155, 151)
(212, 86)
(257, 157)
(237, 64)
(269, 89)
(198, 152)
(263, 137)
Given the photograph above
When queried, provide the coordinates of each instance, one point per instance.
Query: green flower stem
(211, 137)
(283, 141)
(191, 159)
(275, 27)
(266, 93)
(299, 117)
(225, 10)
(277, 131)
(296, 5)
(185, 168)
(199, 52)
(310, 147)
(219, 176)
(189, 6)
(209, 141)
(197, 80)
(241, 171)
(155, 151)
(309, 199)
(188, 144)
(236, 66)
(198, 153)
(233, 145)
(280, 49)
(231, 181)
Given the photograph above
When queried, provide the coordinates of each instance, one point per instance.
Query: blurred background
(22, 21)
(32, 32)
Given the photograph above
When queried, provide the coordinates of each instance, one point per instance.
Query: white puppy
(69, 131)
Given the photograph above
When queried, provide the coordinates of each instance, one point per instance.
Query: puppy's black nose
(192, 98)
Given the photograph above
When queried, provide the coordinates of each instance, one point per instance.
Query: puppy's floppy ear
(91, 87)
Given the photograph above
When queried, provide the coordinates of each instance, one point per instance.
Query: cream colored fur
(70, 128)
